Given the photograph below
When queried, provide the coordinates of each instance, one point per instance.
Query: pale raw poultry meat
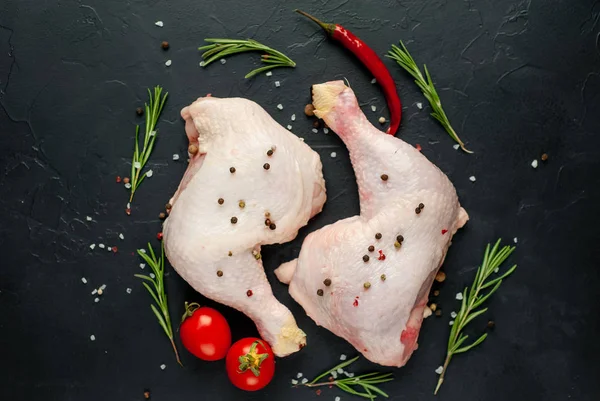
(367, 278)
(250, 182)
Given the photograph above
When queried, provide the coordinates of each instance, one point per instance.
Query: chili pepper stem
(329, 28)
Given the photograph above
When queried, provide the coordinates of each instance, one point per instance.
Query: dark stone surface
(517, 78)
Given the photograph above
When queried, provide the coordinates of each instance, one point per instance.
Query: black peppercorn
(270, 152)
(162, 215)
(267, 222)
(327, 282)
(221, 201)
(165, 45)
(320, 292)
(378, 236)
(233, 220)
(417, 210)
(384, 177)
(266, 166)
(371, 248)
(400, 238)
(139, 111)
(219, 273)
(272, 226)
(421, 206)
(366, 258)
(232, 170)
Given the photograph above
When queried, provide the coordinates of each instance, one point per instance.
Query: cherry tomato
(205, 332)
(250, 364)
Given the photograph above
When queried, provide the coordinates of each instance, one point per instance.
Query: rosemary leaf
(425, 83)
(221, 48)
(473, 299)
(153, 108)
(354, 385)
(161, 309)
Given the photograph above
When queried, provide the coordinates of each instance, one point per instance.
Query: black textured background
(517, 78)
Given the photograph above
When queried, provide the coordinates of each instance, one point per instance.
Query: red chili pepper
(444, 231)
(159, 236)
(372, 61)
(381, 255)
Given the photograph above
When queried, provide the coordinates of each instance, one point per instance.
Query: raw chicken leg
(367, 278)
(249, 182)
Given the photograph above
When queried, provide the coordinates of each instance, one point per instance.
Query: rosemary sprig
(473, 299)
(157, 291)
(405, 60)
(224, 47)
(152, 112)
(367, 381)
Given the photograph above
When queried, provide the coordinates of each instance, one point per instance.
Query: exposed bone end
(325, 96)
(289, 340)
(285, 272)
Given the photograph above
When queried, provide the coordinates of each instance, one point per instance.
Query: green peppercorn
(242, 204)
(367, 285)
(383, 277)
(397, 245)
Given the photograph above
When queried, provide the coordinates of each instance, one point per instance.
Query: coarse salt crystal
(175, 156)
(101, 246)
(315, 130)
(419, 105)
(453, 314)
(280, 106)
(142, 265)
(459, 296)
(92, 246)
(333, 154)
(142, 250)
(299, 375)
(439, 370)
(152, 133)
(150, 173)
(128, 205)
(373, 81)
(223, 61)
(109, 248)
(337, 399)
(293, 117)
(128, 290)
(137, 165)
(159, 23)
(128, 185)
(456, 146)
(451, 322)
(84, 280)
(93, 337)
(325, 130)
(534, 163)
(515, 240)
(340, 371)
(95, 291)
(304, 381)
(202, 64)
(168, 63)
(472, 178)
(277, 84)
(152, 275)
(349, 374)
(289, 127)
(100, 291)
(163, 366)
(96, 299)
(121, 236)
(294, 382)
(334, 374)
(381, 120)
(373, 107)
(343, 357)
(88, 218)
(301, 139)
(269, 73)
(496, 270)
(103, 287)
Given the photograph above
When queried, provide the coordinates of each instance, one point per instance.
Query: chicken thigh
(367, 278)
(250, 182)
